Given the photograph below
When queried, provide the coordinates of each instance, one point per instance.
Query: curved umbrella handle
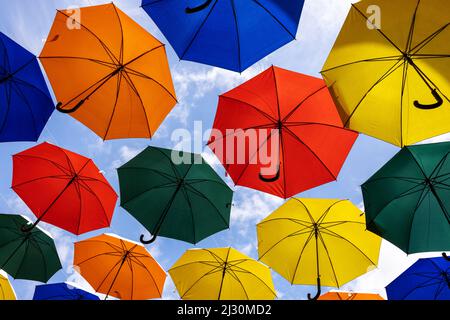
(143, 241)
(319, 291)
(67, 111)
(444, 255)
(201, 7)
(273, 179)
(439, 102)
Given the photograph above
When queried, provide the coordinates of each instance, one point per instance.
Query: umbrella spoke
(329, 259)
(428, 39)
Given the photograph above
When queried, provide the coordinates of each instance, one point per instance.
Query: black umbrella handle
(270, 179)
(153, 239)
(68, 111)
(445, 256)
(201, 7)
(439, 102)
(319, 291)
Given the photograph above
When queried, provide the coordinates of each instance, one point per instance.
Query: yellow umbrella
(389, 69)
(6, 290)
(323, 241)
(221, 274)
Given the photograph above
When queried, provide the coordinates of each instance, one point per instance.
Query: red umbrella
(63, 188)
(294, 115)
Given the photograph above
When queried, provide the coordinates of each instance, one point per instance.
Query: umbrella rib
(33, 242)
(212, 271)
(236, 277)
(439, 166)
(421, 286)
(15, 87)
(430, 56)
(324, 215)
(113, 254)
(406, 179)
(170, 184)
(402, 93)
(381, 59)
(307, 210)
(242, 270)
(24, 83)
(302, 102)
(121, 34)
(172, 165)
(57, 177)
(22, 262)
(297, 221)
(411, 29)
(237, 33)
(329, 259)
(100, 62)
(198, 31)
(275, 18)
(57, 165)
(224, 272)
(8, 108)
(265, 114)
(116, 100)
(418, 204)
(308, 240)
(207, 263)
(428, 39)
(192, 212)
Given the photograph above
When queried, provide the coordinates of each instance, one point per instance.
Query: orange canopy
(350, 296)
(108, 72)
(119, 268)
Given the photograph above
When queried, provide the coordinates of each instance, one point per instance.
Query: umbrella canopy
(427, 279)
(407, 200)
(119, 268)
(6, 290)
(61, 291)
(26, 104)
(63, 188)
(323, 241)
(30, 254)
(221, 274)
(389, 70)
(108, 72)
(290, 117)
(186, 201)
(335, 295)
(226, 33)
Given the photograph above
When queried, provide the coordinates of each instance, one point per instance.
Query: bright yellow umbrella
(221, 274)
(323, 241)
(6, 290)
(389, 70)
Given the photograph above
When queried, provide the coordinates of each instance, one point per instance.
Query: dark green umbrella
(186, 201)
(407, 201)
(29, 255)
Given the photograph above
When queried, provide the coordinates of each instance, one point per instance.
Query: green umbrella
(186, 201)
(407, 201)
(29, 255)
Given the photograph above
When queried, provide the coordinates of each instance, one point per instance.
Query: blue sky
(197, 86)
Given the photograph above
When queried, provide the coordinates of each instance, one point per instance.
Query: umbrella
(26, 104)
(290, 117)
(30, 254)
(119, 268)
(6, 290)
(221, 274)
(323, 241)
(389, 70)
(226, 33)
(108, 72)
(61, 291)
(407, 200)
(427, 279)
(335, 295)
(186, 201)
(63, 188)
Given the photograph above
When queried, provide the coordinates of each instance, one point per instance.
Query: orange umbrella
(108, 72)
(350, 296)
(119, 268)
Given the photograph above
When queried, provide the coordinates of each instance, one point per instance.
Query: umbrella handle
(273, 179)
(143, 241)
(201, 7)
(445, 256)
(67, 111)
(439, 102)
(310, 297)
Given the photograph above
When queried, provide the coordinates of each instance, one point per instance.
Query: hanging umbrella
(30, 254)
(119, 268)
(108, 72)
(61, 291)
(221, 274)
(226, 33)
(186, 201)
(407, 200)
(63, 188)
(6, 289)
(290, 117)
(26, 104)
(389, 70)
(335, 295)
(427, 279)
(323, 241)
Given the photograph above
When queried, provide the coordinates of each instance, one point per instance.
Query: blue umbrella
(25, 101)
(427, 279)
(231, 34)
(61, 291)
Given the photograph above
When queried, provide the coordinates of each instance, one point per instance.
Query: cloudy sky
(197, 86)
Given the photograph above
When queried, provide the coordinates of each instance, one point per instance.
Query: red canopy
(313, 144)
(63, 188)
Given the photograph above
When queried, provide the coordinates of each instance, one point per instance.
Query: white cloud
(441, 138)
